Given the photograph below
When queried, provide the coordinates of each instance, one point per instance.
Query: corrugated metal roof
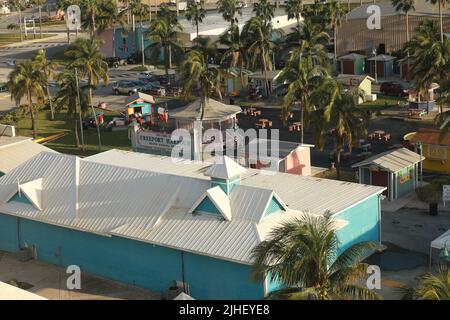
(351, 56)
(224, 168)
(16, 150)
(154, 206)
(392, 160)
(9, 292)
(213, 110)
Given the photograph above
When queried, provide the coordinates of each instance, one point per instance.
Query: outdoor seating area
(251, 111)
(263, 123)
(296, 126)
(380, 135)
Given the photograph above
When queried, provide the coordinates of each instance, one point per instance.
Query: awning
(442, 241)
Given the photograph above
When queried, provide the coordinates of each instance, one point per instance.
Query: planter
(433, 209)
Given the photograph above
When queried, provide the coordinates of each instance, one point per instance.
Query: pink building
(288, 157)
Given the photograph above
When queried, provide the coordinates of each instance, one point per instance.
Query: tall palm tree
(19, 5)
(67, 97)
(229, 10)
(339, 115)
(294, 10)
(405, 6)
(442, 4)
(206, 46)
(336, 13)
(303, 255)
(39, 4)
(111, 17)
(264, 9)
(429, 57)
(259, 34)
(194, 73)
(236, 54)
(140, 9)
(164, 38)
(195, 13)
(309, 40)
(86, 56)
(25, 81)
(301, 77)
(48, 69)
(432, 286)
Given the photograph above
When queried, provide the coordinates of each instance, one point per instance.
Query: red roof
(430, 136)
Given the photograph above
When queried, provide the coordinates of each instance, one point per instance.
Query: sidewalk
(61, 37)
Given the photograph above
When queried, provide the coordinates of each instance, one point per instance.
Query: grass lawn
(66, 144)
(381, 103)
(7, 38)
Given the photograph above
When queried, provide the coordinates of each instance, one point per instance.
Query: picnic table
(380, 135)
(296, 126)
(416, 113)
(251, 111)
(263, 123)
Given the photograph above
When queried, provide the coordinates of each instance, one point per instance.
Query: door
(380, 69)
(348, 67)
(381, 179)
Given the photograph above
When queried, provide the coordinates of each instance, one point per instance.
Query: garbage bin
(433, 209)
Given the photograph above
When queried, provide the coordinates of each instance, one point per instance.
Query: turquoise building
(146, 220)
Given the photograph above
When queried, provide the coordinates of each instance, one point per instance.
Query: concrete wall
(133, 262)
(298, 162)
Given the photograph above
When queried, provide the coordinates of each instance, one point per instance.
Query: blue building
(147, 221)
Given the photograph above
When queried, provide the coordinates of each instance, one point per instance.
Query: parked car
(153, 88)
(134, 58)
(115, 62)
(3, 87)
(126, 87)
(144, 75)
(393, 88)
(163, 79)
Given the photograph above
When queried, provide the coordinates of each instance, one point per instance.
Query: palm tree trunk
(114, 41)
(335, 45)
(33, 120)
(176, 4)
(95, 118)
(265, 70)
(49, 96)
(166, 60)
(302, 109)
(79, 110)
(75, 132)
(93, 25)
(338, 163)
(20, 25)
(170, 56)
(40, 21)
(441, 5)
(142, 43)
(197, 27)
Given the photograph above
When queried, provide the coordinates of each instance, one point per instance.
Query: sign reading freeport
(158, 140)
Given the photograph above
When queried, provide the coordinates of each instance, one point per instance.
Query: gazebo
(215, 115)
(384, 66)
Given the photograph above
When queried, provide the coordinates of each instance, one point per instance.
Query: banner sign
(157, 140)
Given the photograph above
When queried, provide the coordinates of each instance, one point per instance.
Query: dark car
(163, 79)
(134, 58)
(396, 89)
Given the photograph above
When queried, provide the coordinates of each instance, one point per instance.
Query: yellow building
(362, 82)
(436, 153)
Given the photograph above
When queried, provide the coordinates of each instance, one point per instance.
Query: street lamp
(374, 52)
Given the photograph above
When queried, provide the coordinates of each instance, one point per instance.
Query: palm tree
(19, 5)
(294, 9)
(303, 255)
(111, 17)
(309, 40)
(48, 69)
(195, 14)
(258, 36)
(206, 46)
(301, 77)
(429, 57)
(236, 54)
(67, 97)
(264, 9)
(25, 81)
(337, 114)
(39, 4)
(90, 10)
(406, 6)
(86, 56)
(138, 8)
(229, 9)
(193, 72)
(432, 286)
(336, 14)
(441, 4)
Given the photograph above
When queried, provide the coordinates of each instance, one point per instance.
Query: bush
(139, 68)
(432, 192)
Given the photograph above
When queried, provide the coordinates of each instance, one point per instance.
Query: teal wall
(360, 66)
(208, 206)
(133, 262)
(20, 198)
(226, 185)
(364, 225)
(406, 187)
(274, 206)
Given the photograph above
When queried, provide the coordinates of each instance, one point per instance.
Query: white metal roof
(382, 58)
(9, 292)
(213, 110)
(16, 150)
(225, 168)
(392, 160)
(153, 206)
(351, 56)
